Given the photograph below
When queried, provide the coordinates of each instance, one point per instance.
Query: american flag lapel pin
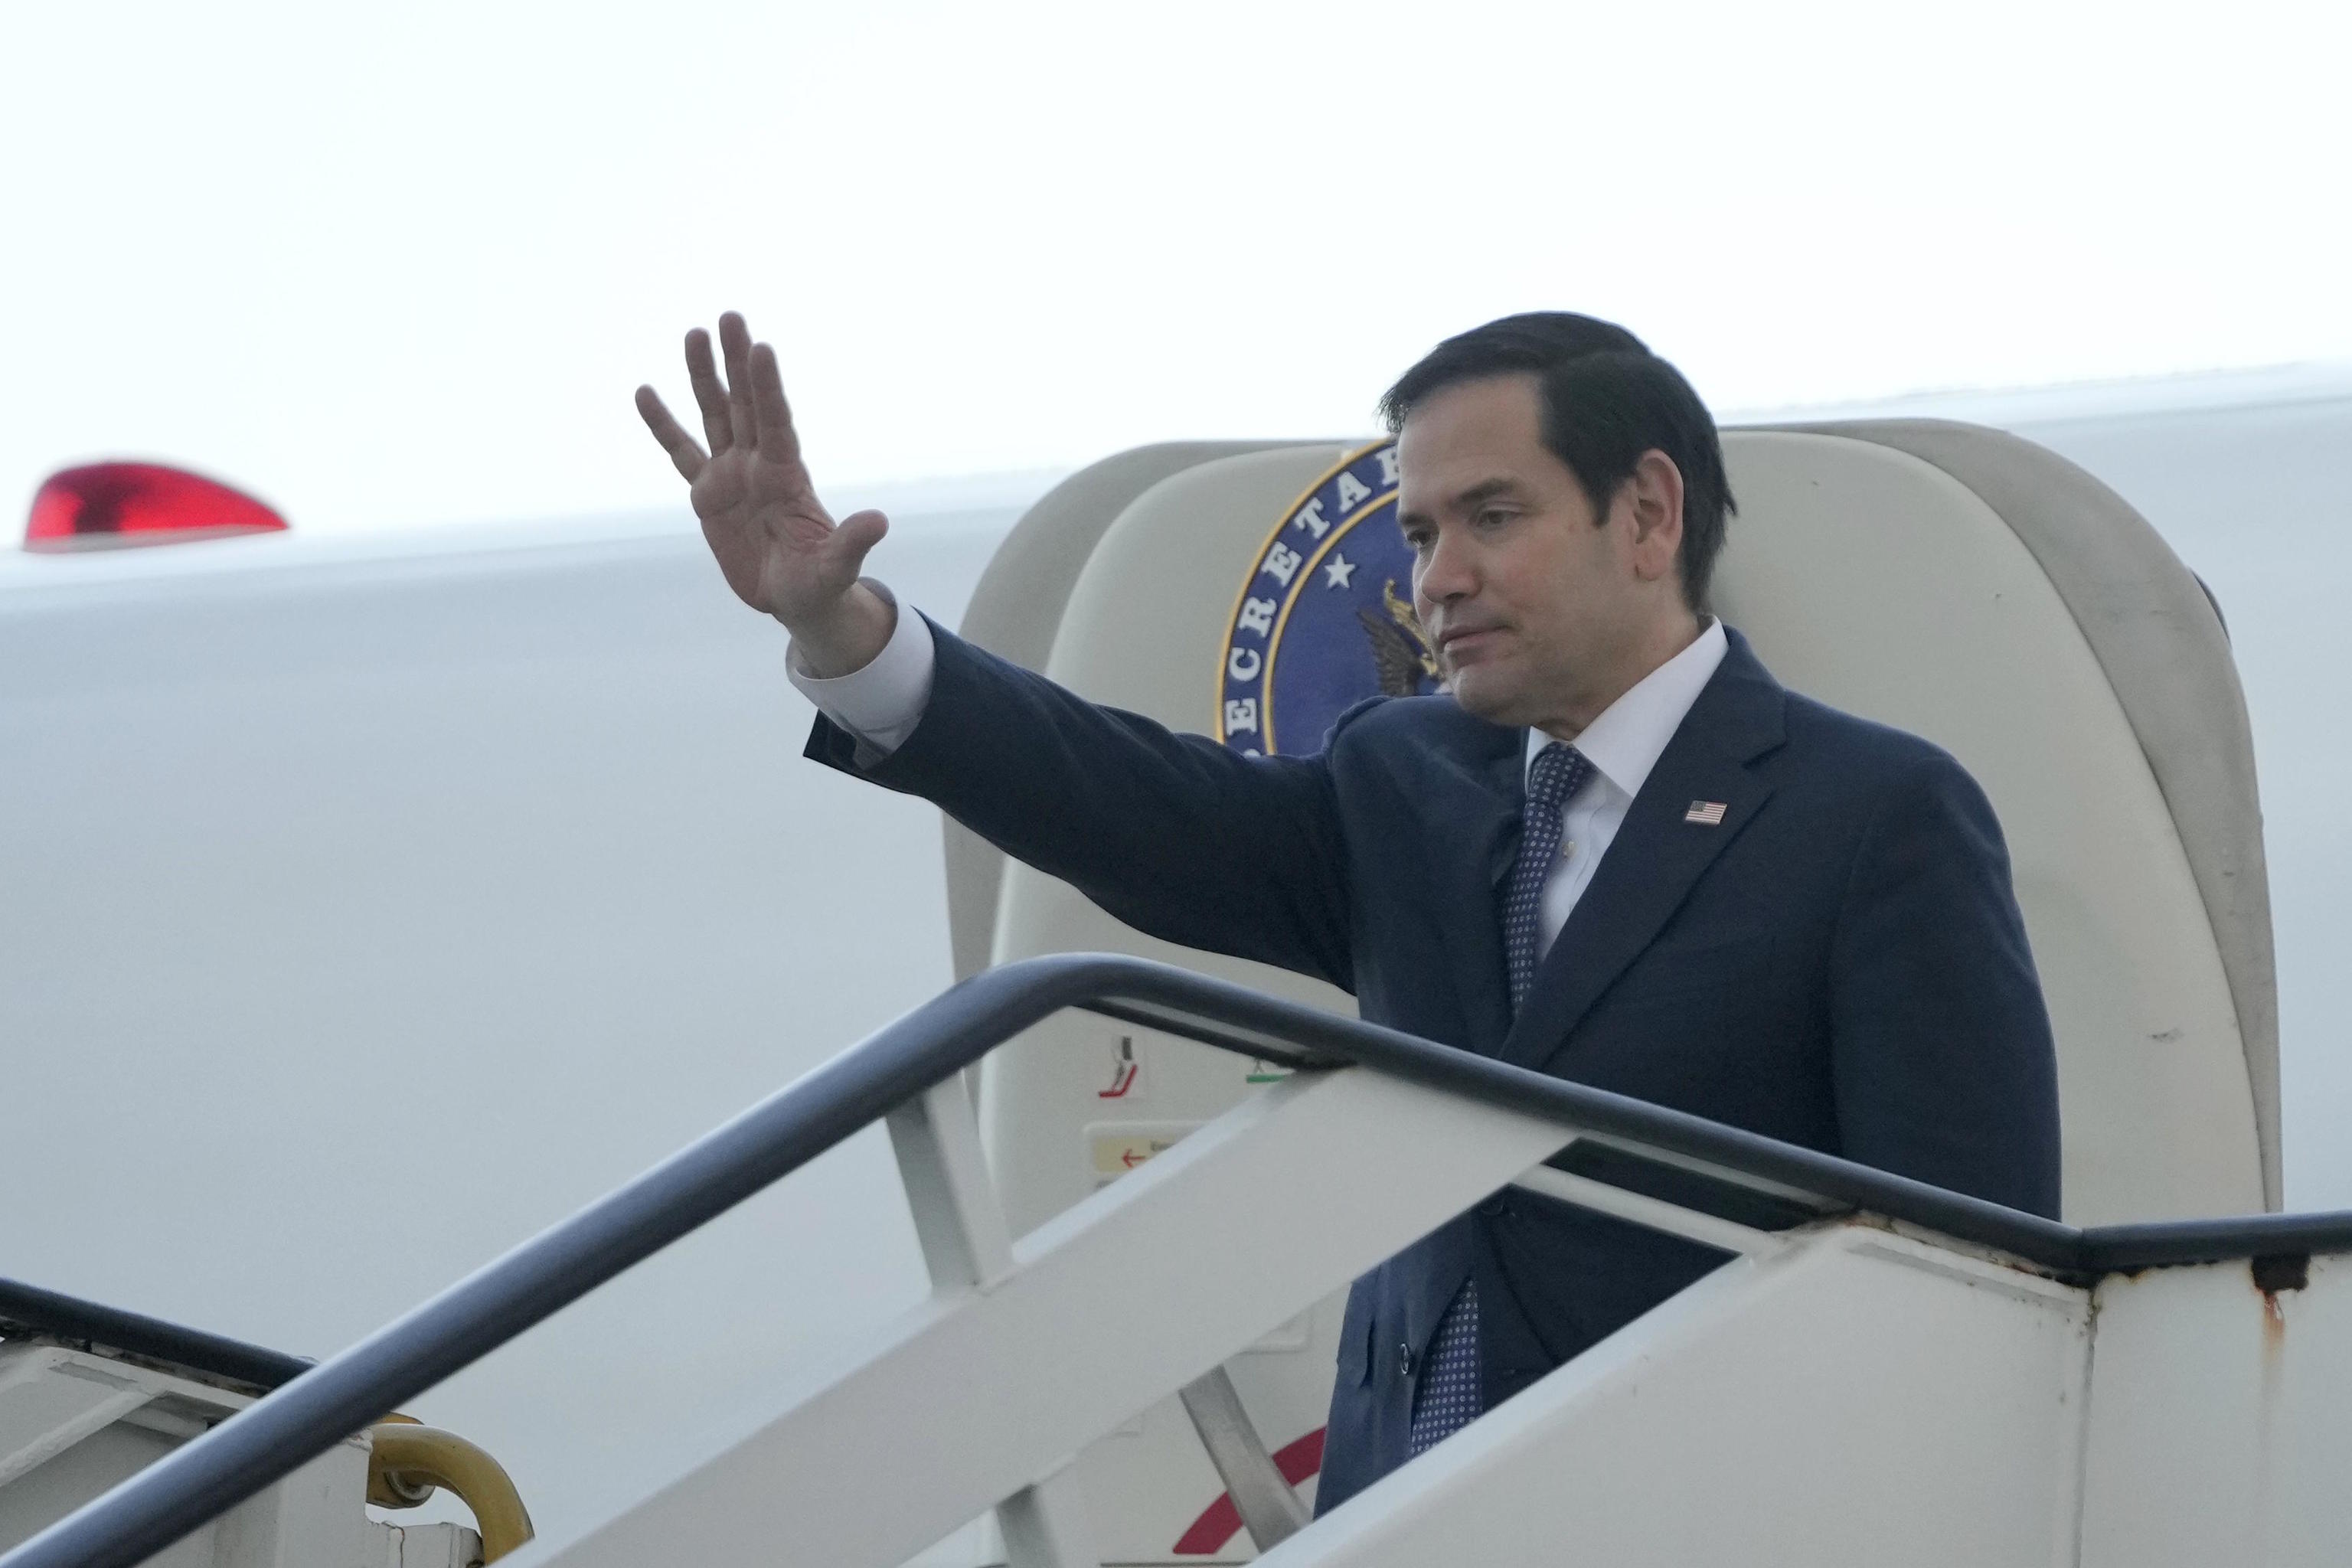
(1710, 812)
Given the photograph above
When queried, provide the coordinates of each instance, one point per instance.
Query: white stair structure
(1883, 1371)
(91, 1395)
(1850, 1391)
(74, 1423)
(1907, 1374)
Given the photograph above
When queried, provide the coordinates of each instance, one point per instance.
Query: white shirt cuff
(881, 703)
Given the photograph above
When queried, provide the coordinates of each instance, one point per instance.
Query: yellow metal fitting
(406, 1462)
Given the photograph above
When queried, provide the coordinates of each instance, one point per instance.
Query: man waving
(1615, 849)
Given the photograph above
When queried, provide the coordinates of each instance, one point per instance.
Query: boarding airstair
(1132, 1292)
(1884, 1373)
(91, 1395)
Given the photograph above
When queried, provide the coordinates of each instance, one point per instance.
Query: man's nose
(1446, 574)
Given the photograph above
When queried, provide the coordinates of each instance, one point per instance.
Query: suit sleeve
(1945, 1066)
(1179, 836)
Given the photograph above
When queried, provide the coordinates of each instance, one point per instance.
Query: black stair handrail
(275, 1434)
(27, 1311)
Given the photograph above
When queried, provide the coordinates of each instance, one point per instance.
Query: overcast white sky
(396, 266)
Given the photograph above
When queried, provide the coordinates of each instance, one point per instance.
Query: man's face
(1537, 606)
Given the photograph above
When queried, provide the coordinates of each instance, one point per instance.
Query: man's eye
(1417, 543)
(1493, 517)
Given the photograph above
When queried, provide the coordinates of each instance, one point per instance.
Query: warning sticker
(1125, 1073)
(1114, 1150)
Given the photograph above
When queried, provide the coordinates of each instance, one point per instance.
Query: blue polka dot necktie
(1449, 1396)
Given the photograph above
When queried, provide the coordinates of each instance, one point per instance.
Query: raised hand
(777, 547)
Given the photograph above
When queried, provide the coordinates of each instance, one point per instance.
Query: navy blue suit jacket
(1839, 963)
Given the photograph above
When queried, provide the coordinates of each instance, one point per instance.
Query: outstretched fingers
(778, 443)
(709, 396)
(681, 446)
(735, 344)
(745, 409)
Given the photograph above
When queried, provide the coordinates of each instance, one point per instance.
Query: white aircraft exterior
(368, 904)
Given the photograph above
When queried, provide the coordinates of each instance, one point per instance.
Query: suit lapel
(1657, 855)
(1471, 831)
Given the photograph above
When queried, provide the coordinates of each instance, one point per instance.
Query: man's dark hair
(1607, 399)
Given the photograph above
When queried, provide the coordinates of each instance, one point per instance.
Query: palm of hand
(768, 531)
(777, 546)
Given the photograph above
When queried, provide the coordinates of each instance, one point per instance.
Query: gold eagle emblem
(1400, 651)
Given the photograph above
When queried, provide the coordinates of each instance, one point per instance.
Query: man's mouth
(1456, 644)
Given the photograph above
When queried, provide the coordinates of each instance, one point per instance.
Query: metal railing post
(968, 1246)
(1271, 1512)
(1045, 1525)
(966, 1242)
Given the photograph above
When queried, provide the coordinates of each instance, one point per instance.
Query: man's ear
(1654, 492)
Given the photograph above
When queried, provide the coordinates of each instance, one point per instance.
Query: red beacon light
(105, 505)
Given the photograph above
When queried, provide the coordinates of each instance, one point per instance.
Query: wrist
(846, 638)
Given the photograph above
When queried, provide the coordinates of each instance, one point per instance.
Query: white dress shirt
(1624, 744)
(881, 704)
